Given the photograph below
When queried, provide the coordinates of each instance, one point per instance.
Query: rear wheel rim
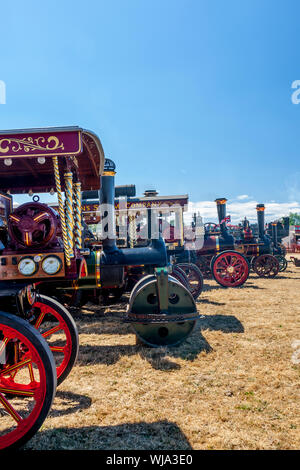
(58, 336)
(23, 386)
(194, 277)
(230, 269)
(266, 266)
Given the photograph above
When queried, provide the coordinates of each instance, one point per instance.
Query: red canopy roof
(26, 158)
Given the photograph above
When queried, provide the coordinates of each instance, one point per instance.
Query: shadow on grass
(160, 435)
(161, 358)
(69, 403)
(224, 323)
(279, 276)
(247, 285)
(207, 301)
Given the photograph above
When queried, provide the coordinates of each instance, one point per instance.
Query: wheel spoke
(15, 367)
(40, 319)
(57, 348)
(51, 331)
(13, 413)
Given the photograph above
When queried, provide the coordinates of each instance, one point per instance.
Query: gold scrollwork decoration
(29, 143)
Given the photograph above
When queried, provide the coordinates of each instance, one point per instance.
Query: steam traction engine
(38, 336)
(278, 249)
(161, 310)
(135, 219)
(259, 250)
(219, 254)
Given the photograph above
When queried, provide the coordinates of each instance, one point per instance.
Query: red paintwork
(11, 381)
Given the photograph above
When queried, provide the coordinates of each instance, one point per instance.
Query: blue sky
(187, 96)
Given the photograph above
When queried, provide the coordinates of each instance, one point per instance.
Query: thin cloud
(238, 210)
(242, 197)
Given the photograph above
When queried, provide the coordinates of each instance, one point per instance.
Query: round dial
(27, 266)
(51, 265)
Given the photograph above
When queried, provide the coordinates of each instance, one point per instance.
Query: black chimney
(274, 233)
(260, 208)
(221, 208)
(107, 207)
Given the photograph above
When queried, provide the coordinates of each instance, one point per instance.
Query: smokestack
(127, 190)
(274, 232)
(150, 193)
(221, 208)
(260, 208)
(286, 224)
(107, 207)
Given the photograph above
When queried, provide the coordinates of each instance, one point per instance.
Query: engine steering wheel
(210, 227)
(33, 224)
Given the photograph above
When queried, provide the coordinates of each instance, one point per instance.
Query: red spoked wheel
(194, 277)
(58, 327)
(230, 269)
(27, 381)
(266, 266)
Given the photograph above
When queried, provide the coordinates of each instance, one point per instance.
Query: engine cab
(38, 242)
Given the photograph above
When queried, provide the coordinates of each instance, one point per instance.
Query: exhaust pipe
(154, 254)
(107, 207)
(260, 208)
(274, 233)
(221, 208)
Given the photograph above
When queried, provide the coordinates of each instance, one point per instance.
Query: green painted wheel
(155, 326)
(164, 334)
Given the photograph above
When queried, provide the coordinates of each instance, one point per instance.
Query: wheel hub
(230, 269)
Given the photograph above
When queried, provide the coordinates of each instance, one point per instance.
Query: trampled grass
(234, 384)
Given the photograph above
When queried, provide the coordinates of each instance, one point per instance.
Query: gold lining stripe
(10, 409)
(217, 244)
(98, 283)
(37, 217)
(15, 366)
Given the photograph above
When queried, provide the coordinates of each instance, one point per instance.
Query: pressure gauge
(51, 265)
(27, 266)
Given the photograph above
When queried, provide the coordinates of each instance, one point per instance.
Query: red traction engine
(219, 256)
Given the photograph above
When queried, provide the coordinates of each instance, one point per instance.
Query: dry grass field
(232, 385)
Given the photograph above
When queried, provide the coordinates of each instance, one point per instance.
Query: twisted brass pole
(69, 211)
(61, 209)
(78, 222)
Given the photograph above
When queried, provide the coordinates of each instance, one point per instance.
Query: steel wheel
(266, 266)
(144, 306)
(282, 262)
(180, 275)
(230, 269)
(194, 277)
(164, 334)
(252, 262)
(27, 381)
(203, 263)
(57, 326)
